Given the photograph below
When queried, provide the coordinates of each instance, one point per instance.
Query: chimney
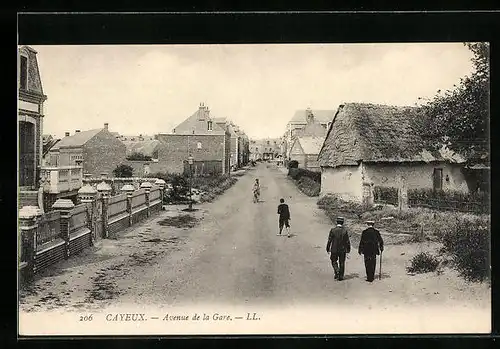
(66, 134)
(76, 131)
(106, 126)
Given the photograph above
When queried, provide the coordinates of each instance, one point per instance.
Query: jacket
(338, 241)
(283, 211)
(371, 242)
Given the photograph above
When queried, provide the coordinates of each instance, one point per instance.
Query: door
(438, 179)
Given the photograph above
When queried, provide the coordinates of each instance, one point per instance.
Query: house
(299, 121)
(30, 117)
(208, 142)
(305, 151)
(265, 149)
(369, 145)
(97, 151)
(48, 143)
(142, 156)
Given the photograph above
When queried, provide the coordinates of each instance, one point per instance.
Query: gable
(34, 80)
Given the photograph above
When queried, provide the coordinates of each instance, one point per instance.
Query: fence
(45, 239)
(433, 199)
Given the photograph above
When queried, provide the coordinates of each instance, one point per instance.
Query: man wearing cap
(338, 246)
(370, 245)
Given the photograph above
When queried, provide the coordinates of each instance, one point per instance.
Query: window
(23, 76)
(210, 125)
(199, 145)
(438, 179)
(267, 142)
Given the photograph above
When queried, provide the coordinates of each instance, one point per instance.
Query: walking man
(338, 246)
(370, 245)
(284, 217)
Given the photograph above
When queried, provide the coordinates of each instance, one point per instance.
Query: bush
(450, 200)
(293, 164)
(308, 186)
(298, 173)
(423, 263)
(123, 171)
(138, 157)
(386, 195)
(468, 243)
(334, 206)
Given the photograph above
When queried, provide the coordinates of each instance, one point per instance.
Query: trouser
(338, 264)
(283, 222)
(370, 264)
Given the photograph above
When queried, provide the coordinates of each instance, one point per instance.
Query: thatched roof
(378, 133)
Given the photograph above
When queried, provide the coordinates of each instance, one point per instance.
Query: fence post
(147, 187)
(162, 184)
(28, 224)
(87, 195)
(105, 190)
(64, 206)
(129, 190)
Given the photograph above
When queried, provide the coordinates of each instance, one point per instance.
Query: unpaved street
(231, 255)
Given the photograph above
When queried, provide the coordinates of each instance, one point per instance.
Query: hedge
(450, 200)
(468, 242)
(386, 195)
(297, 173)
(308, 186)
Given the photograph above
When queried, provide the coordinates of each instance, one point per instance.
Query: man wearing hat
(370, 245)
(338, 246)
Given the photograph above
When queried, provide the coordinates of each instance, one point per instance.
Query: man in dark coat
(370, 245)
(338, 246)
(284, 217)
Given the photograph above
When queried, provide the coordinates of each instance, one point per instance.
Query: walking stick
(380, 267)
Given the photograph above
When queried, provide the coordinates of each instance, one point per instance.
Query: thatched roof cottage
(370, 145)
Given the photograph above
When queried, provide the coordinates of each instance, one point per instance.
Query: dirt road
(232, 256)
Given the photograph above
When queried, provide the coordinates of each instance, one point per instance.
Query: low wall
(46, 239)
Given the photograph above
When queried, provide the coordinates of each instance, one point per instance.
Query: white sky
(151, 88)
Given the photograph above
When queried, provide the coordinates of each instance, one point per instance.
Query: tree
(459, 118)
(123, 171)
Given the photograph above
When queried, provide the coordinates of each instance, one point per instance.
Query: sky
(148, 89)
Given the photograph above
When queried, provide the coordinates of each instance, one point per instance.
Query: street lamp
(190, 162)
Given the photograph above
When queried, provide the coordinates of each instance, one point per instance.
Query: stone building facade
(30, 118)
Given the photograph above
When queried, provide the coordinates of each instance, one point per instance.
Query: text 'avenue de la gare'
(119, 317)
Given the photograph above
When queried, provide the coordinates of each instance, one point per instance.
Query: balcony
(55, 180)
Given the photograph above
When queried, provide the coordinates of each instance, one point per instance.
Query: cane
(380, 267)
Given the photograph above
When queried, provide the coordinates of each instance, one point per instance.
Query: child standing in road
(284, 217)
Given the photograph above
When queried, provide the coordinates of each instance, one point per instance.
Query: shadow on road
(351, 276)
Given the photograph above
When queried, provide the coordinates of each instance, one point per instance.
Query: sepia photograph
(240, 189)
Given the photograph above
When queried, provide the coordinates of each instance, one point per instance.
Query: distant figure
(284, 217)
(370, 245)
(338, 246)
(256, 190)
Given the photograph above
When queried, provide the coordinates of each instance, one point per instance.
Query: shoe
(279, 234)
(340, 279)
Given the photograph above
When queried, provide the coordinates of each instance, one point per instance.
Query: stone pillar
(64, 206)
(147, 186)
(162, 184)
(129, 190)
(105, 190)
(87, 195)
(28, 226)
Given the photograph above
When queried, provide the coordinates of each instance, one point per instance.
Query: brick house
(97, 151)
(369, 145)
(30, 118)
(147, 147)
(200, 136)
